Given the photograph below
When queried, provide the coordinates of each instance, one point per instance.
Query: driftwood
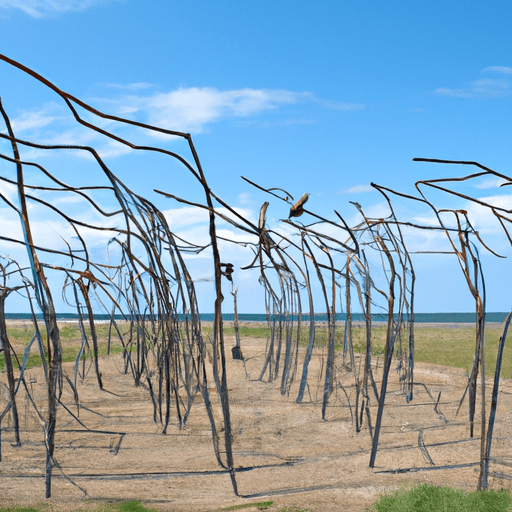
(146, 282)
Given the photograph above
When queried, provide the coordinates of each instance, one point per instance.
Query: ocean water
(320, 317)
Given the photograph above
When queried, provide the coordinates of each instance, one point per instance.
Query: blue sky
(322, 97)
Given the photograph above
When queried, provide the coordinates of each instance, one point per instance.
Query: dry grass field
(284, 451)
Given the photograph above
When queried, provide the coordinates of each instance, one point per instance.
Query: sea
(450, 318)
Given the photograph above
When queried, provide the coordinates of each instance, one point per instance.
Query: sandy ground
(284, 451)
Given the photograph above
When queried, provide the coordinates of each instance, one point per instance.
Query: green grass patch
(69, 354)
(447, 346)
(22, 509)
(263, 331)
(70, 335)
(253, 331)
(456, 347)
(129, 506)
(133, 506)
(261, 505)
(431, 498)
(292, 509)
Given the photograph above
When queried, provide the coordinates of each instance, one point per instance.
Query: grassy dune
(448, 346)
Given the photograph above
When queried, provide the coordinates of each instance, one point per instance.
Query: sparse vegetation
(128, 506)
(20, 334)
(292, 509)
(261, 505)
(136, 506)
(145, 278)
(446, 346)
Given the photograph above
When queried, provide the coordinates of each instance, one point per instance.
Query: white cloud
(425, 240)
(9, 191)
(358, 189)
(490, 86)
(491, 183)
(498, 69)
(344, 107)
(483, 87)
(178, 218)
(35, 119)
(244, 198)
(187, 216)
(69, 199)
(52, 124)
(457, 93)
(426, 220)
(500, 201)
(378, 210)
(481, 218)
(55, 120)
(185, 110)
(288, 122)
(11, 226)
(110, 149)
(137, 86)
(43, 8)
(191, 109)
(486, 223)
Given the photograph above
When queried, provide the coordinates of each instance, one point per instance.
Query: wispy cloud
(456, 93)
(491, 183)
(35, 119)
(483, 87)
(245, 198)
(288, 122)
(179, 218)
(344, 107)
(426, 220)
(191, 110)
(53, 124)
(358, 189)
(136, 86)
(483, 218)
(498, 69)
(9, 192)
(44, 8)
